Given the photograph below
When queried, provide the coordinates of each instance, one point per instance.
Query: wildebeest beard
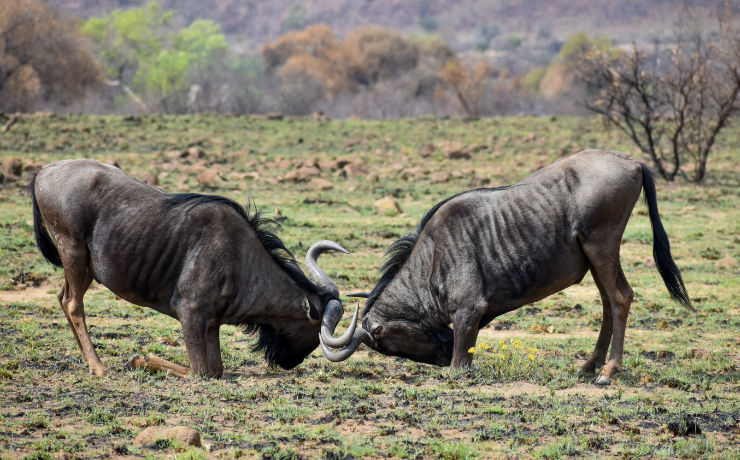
(278, 349)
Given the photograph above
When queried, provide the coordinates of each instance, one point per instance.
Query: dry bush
(318, 41)
(330, 66)
(376, 53)
(673, 110)
(475, 87)
(43, 58)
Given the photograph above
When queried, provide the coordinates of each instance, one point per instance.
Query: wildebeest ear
(376, 331)
(313, 313)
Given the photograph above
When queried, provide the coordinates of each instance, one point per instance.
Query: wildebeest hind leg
(620, 299)
(63, 297)
(612, 285)
(77, 279)
(598, 357)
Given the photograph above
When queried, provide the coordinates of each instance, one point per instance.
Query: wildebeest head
(394, 333)
(290, 340)
(388, 330)
(390, 325)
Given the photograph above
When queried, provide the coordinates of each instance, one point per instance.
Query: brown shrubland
(43, 59)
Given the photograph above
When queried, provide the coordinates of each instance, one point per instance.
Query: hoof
(98, 371)
(603, 381)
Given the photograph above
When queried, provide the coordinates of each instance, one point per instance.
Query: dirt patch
(28, 294)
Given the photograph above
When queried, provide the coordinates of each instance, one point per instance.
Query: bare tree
(672, 110)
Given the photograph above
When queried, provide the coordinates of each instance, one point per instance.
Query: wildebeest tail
(43, 240)
(661, 247)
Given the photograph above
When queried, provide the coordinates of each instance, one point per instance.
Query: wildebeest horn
(332, 315)
(360, 336)
(313, 253)
(351, 339)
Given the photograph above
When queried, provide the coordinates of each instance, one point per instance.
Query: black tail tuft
(43, 240)
(661, 247)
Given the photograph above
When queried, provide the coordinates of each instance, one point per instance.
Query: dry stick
(9, 123)
(154, 363)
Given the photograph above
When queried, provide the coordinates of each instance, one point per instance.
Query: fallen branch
(9, 123)
(153, 363)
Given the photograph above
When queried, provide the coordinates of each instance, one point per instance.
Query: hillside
(465, 24)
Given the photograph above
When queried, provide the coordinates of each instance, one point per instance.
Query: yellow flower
(500, 342)
(501, 356)
(471, 350)
(503, 347)
(531, 357)
(484, 346)
(535, 350)
(530, 349)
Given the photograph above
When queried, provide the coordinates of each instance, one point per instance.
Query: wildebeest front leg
(213, 350)
(465, 330)
(202, 344)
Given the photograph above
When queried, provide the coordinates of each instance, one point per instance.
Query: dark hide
(201, 259)
(485, 252)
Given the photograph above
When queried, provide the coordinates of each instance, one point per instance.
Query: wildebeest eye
(376, 331)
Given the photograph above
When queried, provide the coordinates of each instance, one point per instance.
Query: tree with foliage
(143, 51)
(44, 60)
(674, 108)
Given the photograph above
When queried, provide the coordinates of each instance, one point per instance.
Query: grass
(677, 364)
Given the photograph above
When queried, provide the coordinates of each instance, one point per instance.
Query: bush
(43, 58)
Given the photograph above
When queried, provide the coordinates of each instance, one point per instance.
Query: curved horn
(360, 336)
(313, 253)
(332, 315)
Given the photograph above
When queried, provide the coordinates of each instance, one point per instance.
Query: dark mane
(401, 249)
(265, 229)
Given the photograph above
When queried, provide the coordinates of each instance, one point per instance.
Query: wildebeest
(482, 253)
(201, 259)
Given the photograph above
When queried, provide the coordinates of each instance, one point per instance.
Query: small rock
(326, 164)
(207, 179)
(320, 184)
(427, 150)
(356, 168)
(196, 152)
(181, 434)
(372, 177)
(302, 174)
(699, 353)
(175, 154)
(387, 206)
(439, 177)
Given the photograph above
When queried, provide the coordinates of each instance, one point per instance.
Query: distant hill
(464, 24)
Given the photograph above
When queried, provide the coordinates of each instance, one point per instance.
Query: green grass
(372, 405)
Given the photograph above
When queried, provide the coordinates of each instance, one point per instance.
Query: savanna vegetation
(322, 179)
